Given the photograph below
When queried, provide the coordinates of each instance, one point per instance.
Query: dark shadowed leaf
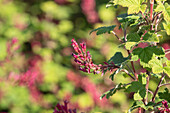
(165, 95)
(118, 58)
(104, 29)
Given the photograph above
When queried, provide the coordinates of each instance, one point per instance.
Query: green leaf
(118, 59)
(138, 87)
(143, 28)
(127, 20)
(134, 6)
(168, 62)
(104, 29)
(135, 105)
(109, 4)
(140, 94)
(115, 72)
(113, 91)
(167, 27)
(167, 70)
(156, 64)
(164, 8)
(130, 45)
(150, 105)
(145, 54)
(165, 95)
(134, 57)
(132, 40)
(151, 37)
(125, 17)
(133, 37)
(134, 87)
(137, 96)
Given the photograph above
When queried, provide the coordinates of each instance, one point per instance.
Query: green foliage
(102, 30)
(145, 54)
(156, 64)
(135, 105)
(128, 20)
(138, 87)
(165, 8)
(118, 59)
(165, 95)
(116, 72)
(151, 37)
(113, 91)
(167, 27)
(134, 6)
(132, 40)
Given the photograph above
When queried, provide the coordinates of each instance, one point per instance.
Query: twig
(144, 18)
(156, 91)
(164, 84)
(151, 12)
(151, 9)
(157, 15)
(133, 66)
(130, 56)
(150, 92)
(147, 85)
(128, 74)
(167, 52)
(117, 36)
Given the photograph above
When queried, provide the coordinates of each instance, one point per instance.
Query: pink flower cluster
(164, 108)
(84, 59)
(63, 108)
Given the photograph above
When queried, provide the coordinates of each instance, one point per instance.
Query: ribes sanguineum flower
(84, 59)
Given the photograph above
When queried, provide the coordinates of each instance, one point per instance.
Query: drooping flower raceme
(84, 59)
(63, 108)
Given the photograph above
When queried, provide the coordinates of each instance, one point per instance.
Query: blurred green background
(42, 73)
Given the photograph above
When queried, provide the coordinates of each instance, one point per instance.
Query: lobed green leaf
(104, 29)
(118, 59)
(165, 95)
(134, 6)
(145, 54)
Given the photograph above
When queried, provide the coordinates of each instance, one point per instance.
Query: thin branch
(130, 56)
(151, 9)
(164, 84)
(167, 52)
(144, 18)
(130, 69)
(151, 12)
(157, 22)
(150, 92)
(117, 36)
(133, 66)
(157, 15)
(128, 74)
(147, 85)
(156, 91)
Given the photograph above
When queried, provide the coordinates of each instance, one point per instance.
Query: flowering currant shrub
(150, 19)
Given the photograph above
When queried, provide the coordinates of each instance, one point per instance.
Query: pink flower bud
(74, 55)
(106, 63)
(82, 69)
(74, 42)
(83, 46)
(77, 61)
